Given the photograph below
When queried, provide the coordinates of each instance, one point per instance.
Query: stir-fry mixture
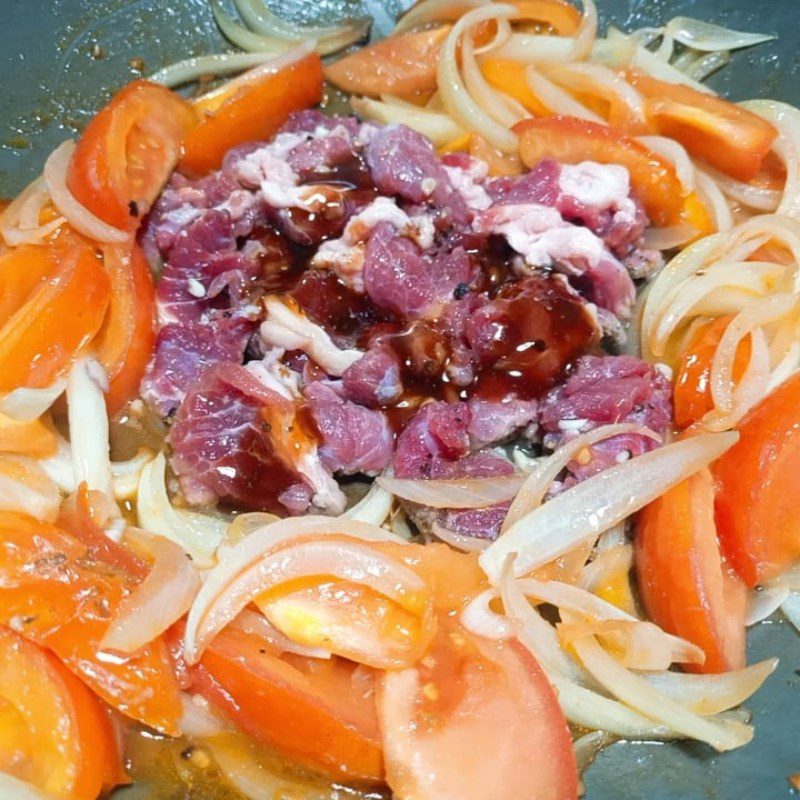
(337, 452)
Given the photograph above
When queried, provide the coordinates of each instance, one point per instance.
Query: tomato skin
(253, 113)
(685, 585)
(728, 137)
(476, 719)
(67, 745)
(125, 343)
(23, 269)
(571, 140)
(35, 438)
(128, 151)
(758, 479)
(65, 599)
(692, 394)
(334, 732)
(60, 316)
(402, 65)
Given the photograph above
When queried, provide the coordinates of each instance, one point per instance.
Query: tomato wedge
(321, 715)
(125, 342)
(22, 270)
(508, 76)
(35, 438)
(685, 584)
(571, 140)
(62, 599)
(61, 314)
(692, 384)
(758, 516)
(402, 65)
(475, 720)
(728, 137)
(256, 109)
(128, 151)
(54, 732)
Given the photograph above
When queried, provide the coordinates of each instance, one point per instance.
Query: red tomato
(128, 151)
(728, 137)
(475, 720)
(571, 140)
(249, 110)
(686, 586)
(321, 715)
(125, 342)
(22, 270)
(758, 517)
(58, 316)
(54, 732)
(402, 65)
(692, 388)
(61, 598)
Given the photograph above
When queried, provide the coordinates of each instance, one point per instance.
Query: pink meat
(353, 439)
(374, 380)
(235, 441)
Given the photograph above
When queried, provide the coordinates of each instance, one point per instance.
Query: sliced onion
(26, 405)
(125, 475)
(161, 599)
(657, 67)
(708, 64)
(588, 747)
(587, 32)
(533, 491)
(457, 100)
(434, 11)
(459, 541)
(458, 493)
(711, 694)
(26, 488)
(791, 608)
(676, 154)
(55, 177)
(640, 695)
(669, 238)
(615, 560)
(556, 99)
(756, 197)
(708, 37)
(256, 547)
(439, 128)
(197, 534)
(198, 719)
(292, 330)
(88, 425)
(535, 49)
(374, 507)
(190, 69)
(19, 221)
(595, 505)
(244, 38)
(256, 623)
(714, 200)
(17, 789)
(478, 618)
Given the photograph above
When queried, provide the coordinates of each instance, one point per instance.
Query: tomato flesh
(758, 517)
(570, 140)
(323, 721)
(728, 137)
(63, 599)
(54, 732)
(253, 113)
(128, 151)
(686, 586)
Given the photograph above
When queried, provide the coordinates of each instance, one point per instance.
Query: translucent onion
(587, 32)
(26, 405)
(556, 99)
(197, 534)
(533, 491)
(714, 200)
(198, 720)
(707, 695)
(244, 38)
(374, 507)
(478, 618)
(259, 544)
(584, 511)
(669, 238)
(459, 541)
(708, 37)
(256, 623)
(791, 608)
(55, 177)
(759, 198)
(458, 493)
(161, 599)
(260, 19)
(588, 747)
(457, 100)
(19, 221)
(190, 69)
(26, 488)
(324, 558)
(764, 601)
(657, 67)
(786, 119)
(439, 128)
(434, 11)
(88, 425)
(708, 64)
(636, 692)
(676, 154)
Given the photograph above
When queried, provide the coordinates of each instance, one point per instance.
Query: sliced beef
(374, 381)
(602, 390)
(238, 442)
(353, 439)
(183, 351)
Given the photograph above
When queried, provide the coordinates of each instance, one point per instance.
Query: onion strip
(458, 493)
